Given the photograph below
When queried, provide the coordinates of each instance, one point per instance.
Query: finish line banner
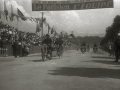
(40, 5)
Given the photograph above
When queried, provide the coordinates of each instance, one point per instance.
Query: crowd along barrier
(8, 51)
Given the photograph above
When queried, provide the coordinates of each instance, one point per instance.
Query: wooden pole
(42, 26)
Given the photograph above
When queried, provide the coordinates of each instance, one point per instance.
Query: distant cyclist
(83, 44)
(95, 45)
(95, 48)
(88, 47)
(59, 43)
(83, 47)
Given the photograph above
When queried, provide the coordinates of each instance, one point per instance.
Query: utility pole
(48, 28)
(42, 26)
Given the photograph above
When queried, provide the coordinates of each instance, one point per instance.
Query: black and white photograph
(59, 44)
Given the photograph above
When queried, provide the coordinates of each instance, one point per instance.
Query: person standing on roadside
(117, 47)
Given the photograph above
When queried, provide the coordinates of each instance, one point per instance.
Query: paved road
(75, 71)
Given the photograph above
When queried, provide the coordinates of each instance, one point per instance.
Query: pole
(20, 47)
(48, 29)
(17, 22)
(42, 26)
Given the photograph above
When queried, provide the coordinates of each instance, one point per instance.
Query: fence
(3, 52)
(33, 50)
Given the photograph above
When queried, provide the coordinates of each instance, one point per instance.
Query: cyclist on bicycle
(48, 41)
(88, 47)
(83, 46)
(95, 45)
(59, 42)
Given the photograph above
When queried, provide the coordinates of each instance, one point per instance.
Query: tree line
(88, 39)
(112, 31)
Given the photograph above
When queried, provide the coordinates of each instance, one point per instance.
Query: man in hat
(117, 47)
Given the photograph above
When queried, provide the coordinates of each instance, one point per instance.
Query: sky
(81, 22)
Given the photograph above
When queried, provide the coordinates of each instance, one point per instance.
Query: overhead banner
(40, 5)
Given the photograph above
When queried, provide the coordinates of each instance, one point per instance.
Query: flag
(38, 29)
(33, 19)
(5, 10)
(40, 23)
(66, 35)
(52, 30)
(1, 12)
(12, 15)
(0, 15)
(72, 35)
(30, 18)
(55, 33)
(20, 14)
(48, 27)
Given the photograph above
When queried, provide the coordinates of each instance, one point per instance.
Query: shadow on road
(87, 72)
(44, 60)
(102, 57)
(37, 60)
(104, 62)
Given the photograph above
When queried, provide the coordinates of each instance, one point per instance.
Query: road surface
(75, 71)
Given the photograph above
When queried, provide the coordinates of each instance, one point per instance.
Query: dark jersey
(59, 42)
(83, 44)
(47, 41)
(95, 45)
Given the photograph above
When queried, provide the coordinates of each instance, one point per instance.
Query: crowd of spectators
(19, 40)
(8, 35)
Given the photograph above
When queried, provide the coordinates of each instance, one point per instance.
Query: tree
(112, 30)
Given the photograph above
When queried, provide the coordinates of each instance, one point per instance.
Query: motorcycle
(83, 49)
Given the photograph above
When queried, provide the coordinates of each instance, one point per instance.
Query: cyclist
(59, 43)
(83, 46)
(48, 41)
(88, 47)
(95, 47)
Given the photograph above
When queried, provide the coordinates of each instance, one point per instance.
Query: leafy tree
(112, 30)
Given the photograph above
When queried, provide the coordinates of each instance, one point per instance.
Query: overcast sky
(82, 22)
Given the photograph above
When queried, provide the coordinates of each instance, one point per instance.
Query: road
(75, 71)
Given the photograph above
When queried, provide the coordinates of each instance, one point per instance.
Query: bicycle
(60, 51)
(46, 53)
